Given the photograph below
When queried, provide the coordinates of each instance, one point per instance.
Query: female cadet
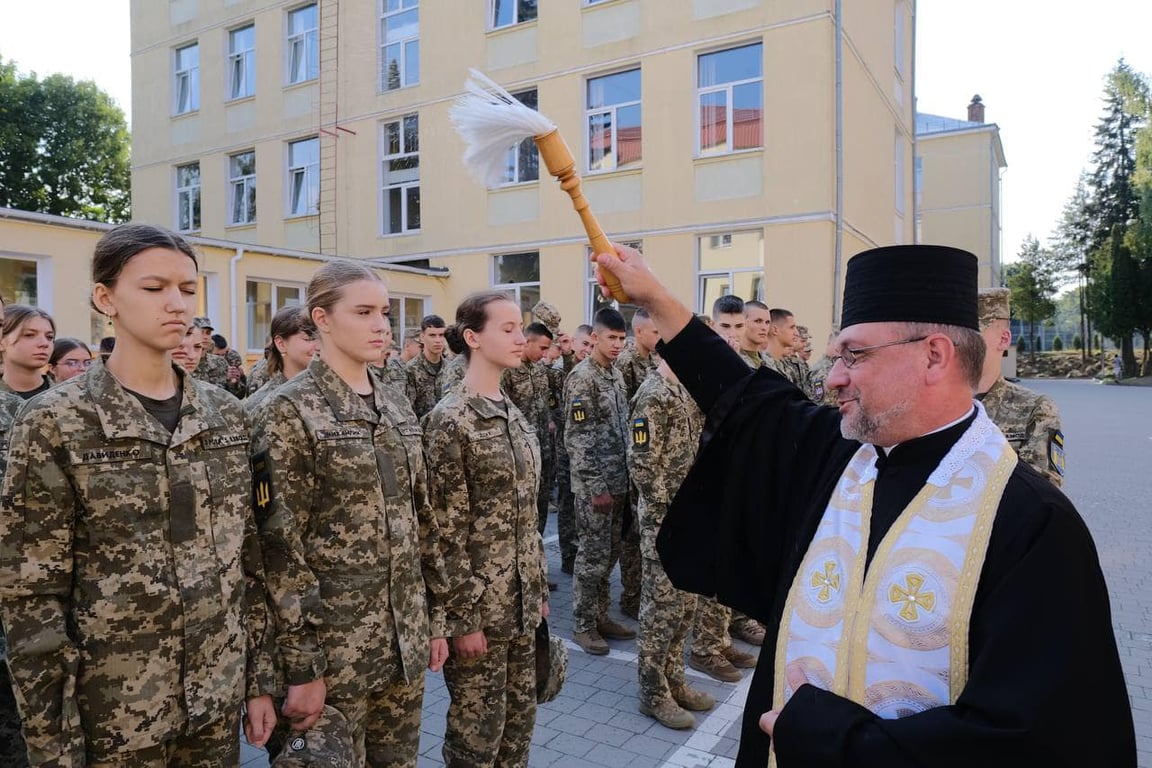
(188, 354)
(487, 468)
(127, 539)
(353, 561)
(26, 346)
(70, 358)
(293, 347)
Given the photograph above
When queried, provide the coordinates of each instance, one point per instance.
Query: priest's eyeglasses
(850, 356)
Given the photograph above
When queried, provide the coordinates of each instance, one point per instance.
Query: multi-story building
(958, 174)
(749, 146)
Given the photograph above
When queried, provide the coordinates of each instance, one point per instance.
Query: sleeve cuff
(815, 727)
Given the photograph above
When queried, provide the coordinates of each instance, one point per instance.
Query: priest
(929, 599)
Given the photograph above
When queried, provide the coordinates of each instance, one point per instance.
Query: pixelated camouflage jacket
(1031, 423)
(212, 369)
(127, 554)
(453, 373)
(260, 396)
(258, 375)
(634, 368)
(424, 388)
(596, 429)
(665, 434)
(485, 464)
(351, 546)
(529, 388)
(9, 405)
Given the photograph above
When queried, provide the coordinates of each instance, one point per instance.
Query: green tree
(63, 147)
(1032, 287)
(1112, 196)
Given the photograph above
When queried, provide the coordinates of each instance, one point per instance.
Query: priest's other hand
(768, 721)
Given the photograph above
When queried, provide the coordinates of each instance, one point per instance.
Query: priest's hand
(643, 288)
(768, 721)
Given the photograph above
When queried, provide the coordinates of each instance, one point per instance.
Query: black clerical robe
(1045, 686)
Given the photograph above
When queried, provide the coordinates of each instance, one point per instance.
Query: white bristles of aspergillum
(491, 121)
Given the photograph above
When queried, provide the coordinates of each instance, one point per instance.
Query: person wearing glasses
(70, 358)
(930, 599)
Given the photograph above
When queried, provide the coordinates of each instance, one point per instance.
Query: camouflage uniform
(634, 369)
(351, 552)
(260, 396)
(821, 392)
(213, 370)
(797, 371)
(666, 426)
(453, 373)
(710, 627)
(1031, 423)
(528, 387)
(127, 555)
(13, 753)
(484, 490)
(423, 388)
(238, 388)
(596, 435)
(755, 359)
(565, 501)
(258, 375)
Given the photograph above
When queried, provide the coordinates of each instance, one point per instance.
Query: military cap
(203, 322)
(412, 334)
(551, 664)
(547, 314)
(327, 744)
(994, 305)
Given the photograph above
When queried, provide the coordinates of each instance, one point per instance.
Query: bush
(1057, 344)
(1077, 342)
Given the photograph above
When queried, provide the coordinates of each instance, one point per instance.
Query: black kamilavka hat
(912, 284)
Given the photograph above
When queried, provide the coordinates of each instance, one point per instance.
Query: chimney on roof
(976, 110)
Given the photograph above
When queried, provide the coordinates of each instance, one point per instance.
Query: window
(187, 79)
(730, 263)
(518, 275)
(188, 197)
(597, 300)
(405, 312)
(242, 188)
(898, 38)
(523, 159)
(918, 181)
(18, 283)
(401, 176)
(303, 51)
(613, 110)
(242, 62)
(264, 299)
(400, 46)
(304, 177)
(731, 99)
(898, 169)
(505, 13)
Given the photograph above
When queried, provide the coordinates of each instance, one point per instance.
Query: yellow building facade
(959, 166)
(748, 146)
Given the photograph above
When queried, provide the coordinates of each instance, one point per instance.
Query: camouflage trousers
(599, 549)
(493, 709)
(665, 618)
(13, 751)
(631, 563)
(214, 746)
(547, 480)
(565, 506)
(710, 628)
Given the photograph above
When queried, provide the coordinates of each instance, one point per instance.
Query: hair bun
(454, 337)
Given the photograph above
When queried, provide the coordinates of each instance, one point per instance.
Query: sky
(1038, 65)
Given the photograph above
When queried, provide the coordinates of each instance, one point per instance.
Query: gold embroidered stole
(895, 639)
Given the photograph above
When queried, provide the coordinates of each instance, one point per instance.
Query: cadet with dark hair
(70, 358)
(351, 544)
(132, 580)
(211, 368)
(454, 369)
(728, 318)
(487, 470)
(596, 435)
(237, 381)
(527, 385)
(424, 385)
(292, 349)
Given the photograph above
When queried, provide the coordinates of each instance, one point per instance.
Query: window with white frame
(505, 13)
(264, 298)
(242, 188)
(188, 197)
(303, 44)
(730, 263)
(400, 44)
(523, 159)
(186, 78)
(596, 300)
(304, 177)
(405, 312)
(18, 282)
(518, 276)
(613, 116)
(242, 62)
(401, 176)
(730, 98)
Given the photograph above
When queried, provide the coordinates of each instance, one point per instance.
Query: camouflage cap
(551, 664)
(327, 744)
(993, 305)
(412, 334)
(548, 315)
(203, 322)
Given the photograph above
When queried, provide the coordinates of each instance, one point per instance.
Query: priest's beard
(865, 426)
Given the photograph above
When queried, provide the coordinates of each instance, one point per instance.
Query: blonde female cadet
(26, 348)
(352, 547)
(486, 462)
(127, 539)
(292, 349)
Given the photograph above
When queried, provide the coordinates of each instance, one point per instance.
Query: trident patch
(579, 415)
(261, 483)
(640, 433)
(1056, 451)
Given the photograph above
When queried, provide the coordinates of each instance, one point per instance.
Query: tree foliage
(1032, 287)
(63, 147)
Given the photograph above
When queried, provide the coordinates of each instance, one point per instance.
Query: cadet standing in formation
(212, 368)
(453, 371)
(128, 541)
(1028, 419)
(528, 386)
(26, 347)
(70, 358)
(424, 387)
(351, 544)
(484, 489)
(566, 530)
(292, 349)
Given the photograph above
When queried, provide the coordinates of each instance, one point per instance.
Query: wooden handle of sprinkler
(560, 163)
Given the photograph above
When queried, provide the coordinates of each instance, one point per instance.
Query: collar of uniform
(122, 415)
(346, 405)
(994, 391)
(483, 406)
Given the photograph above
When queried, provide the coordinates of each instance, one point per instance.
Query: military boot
(669, 714)
(591, 642)
(715, 666)
(691, 699)
(613, 631)
(739, 658)
(748, 630)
